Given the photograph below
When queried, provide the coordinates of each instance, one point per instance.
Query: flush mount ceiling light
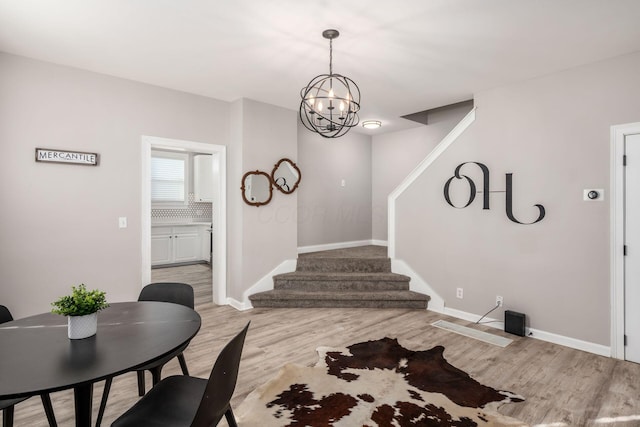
(330, 102)
(371, 124)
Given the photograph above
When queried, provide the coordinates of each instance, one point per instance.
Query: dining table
(37, 357)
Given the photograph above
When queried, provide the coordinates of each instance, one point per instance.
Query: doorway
(218, 226)
(625, 242)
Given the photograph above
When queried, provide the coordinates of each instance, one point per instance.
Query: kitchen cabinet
(202, 178)
(177, 244)
(161, 245)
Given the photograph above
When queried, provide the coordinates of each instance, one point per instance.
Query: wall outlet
(499, 300)
(459, 293)
(122, 222)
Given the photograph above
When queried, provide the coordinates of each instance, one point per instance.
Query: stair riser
(338, 265)
(340, 304)
(326, 285)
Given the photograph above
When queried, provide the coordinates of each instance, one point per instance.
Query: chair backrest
(177, 293)
(5, 314)
(221, 384)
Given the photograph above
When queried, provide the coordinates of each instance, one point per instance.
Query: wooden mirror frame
(273, 178)
(243, 188)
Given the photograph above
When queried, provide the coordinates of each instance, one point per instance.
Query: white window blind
(168, 178)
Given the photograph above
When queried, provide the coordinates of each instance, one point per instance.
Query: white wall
(396, 154)
(552, 133)
(327, 211)
(59, 223)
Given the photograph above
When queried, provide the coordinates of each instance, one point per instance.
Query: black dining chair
(7, 406)
(176, 293)
(184, 401)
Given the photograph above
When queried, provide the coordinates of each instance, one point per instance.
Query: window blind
(168, 179)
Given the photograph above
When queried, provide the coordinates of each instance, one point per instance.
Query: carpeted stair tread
(315, 275)
(352, 264)
(365, 299)
(316, 281)
(291, 294)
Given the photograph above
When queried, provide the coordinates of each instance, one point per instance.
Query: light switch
(122, 222)
(343, 183)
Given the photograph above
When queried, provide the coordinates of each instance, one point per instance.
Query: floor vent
(473, 333)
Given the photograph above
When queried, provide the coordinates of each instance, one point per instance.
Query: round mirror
(256, 188)
(286, 176)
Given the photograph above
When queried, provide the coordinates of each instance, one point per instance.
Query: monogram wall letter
(473, 191)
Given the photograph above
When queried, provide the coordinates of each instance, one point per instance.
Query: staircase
(354, 277)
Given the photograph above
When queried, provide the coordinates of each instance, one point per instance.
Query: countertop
(178, 223)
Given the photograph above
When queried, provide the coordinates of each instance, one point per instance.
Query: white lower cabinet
(161, 246)
(176, 244)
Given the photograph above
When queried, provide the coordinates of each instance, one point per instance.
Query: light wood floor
(563, 387)
(197, 275)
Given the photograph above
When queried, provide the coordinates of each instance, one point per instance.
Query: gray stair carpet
(353, 277)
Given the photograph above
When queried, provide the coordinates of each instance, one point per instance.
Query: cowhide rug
(375, 383)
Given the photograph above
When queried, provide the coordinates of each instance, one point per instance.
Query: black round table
(37, 357)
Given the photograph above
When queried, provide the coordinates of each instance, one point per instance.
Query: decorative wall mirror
(286, 176)
(256, 188)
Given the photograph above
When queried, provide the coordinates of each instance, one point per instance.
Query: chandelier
(330, 102)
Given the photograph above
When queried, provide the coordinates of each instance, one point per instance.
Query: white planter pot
(82, 326)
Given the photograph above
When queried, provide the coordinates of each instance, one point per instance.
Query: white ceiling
(405, 55)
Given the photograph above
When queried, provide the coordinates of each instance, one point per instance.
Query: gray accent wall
(328, 212)
(396, 154)
(268, 234)
(553, 134)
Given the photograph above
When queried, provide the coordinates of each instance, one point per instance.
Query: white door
(632, 242)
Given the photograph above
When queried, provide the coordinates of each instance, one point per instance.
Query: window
(168, 177)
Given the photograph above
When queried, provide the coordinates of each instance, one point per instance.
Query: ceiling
(405, 55)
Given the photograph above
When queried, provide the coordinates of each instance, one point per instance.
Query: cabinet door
(202, 178)
(205, 243)
(161, 249)
(186, 246)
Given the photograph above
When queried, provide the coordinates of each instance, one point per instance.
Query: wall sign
(63, 156)
(485, 192)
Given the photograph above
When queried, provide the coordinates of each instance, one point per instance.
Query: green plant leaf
(81, 302)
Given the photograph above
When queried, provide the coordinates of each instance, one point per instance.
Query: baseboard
(262, 285)
(418, 284)
(599, 349)
(538, 334)
(340, 245)
(240, 306)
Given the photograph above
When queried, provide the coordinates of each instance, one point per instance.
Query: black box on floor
(514, 322)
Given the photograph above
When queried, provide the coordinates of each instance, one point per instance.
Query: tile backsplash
(193, 212)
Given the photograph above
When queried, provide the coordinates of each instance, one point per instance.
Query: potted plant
(81, 309)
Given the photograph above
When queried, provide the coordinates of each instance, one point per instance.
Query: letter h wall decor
(485, 191)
